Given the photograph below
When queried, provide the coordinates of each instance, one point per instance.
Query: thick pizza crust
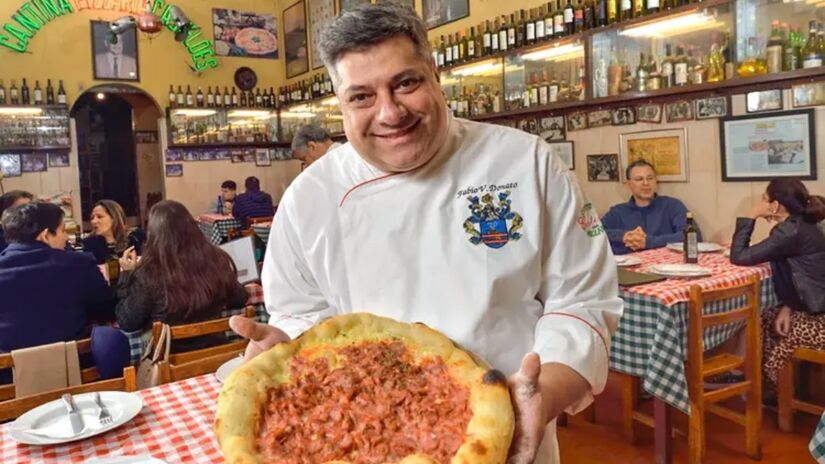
(241, 401)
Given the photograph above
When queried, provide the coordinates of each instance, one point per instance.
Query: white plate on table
(48, 424)
(226, 368)
(627, 260)
(680, 270)
(704, 247)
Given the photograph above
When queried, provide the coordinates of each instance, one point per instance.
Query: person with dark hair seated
(9, 200)
(647, 220)
(253, 202)
(181, 277)
(795, 249)
(223, 204)
(49, 295)
(110, 237)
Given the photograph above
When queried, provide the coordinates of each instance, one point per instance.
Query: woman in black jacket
(181, 277)
(796, 250)
(109, 237)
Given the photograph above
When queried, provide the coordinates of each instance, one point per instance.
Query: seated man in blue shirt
(49, 295)
(253, 203)
(647, 220)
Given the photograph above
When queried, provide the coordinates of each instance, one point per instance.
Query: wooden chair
(181, 366)
(699, 367)
(11, 406)
(258, 220)
(630, 393)
(788, 404)
(233, 233)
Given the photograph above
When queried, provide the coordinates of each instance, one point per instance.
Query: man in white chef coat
(473, 229)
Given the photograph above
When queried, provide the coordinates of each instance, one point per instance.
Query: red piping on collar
(344, 198)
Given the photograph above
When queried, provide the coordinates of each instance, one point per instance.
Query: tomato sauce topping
(377, 406)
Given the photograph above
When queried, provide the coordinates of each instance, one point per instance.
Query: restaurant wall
(62, 50)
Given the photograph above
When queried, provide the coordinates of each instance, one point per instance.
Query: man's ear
(43, 236)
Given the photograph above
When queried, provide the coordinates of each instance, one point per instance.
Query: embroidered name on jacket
(492, 223)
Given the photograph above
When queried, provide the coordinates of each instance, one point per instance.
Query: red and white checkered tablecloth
(672, 291)
(211, 218)
(175, 425)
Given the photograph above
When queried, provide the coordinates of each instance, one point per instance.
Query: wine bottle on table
(690, 244)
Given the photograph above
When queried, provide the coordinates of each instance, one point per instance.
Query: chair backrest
(258, 220)
(197, 362)
(11, 406)
(698, 321)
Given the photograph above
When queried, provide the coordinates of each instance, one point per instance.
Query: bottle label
(543, 95)
(471, 48)
(531, 31)
(496, 105)
(525, 99)
(548, 26)
(511, 37)
(440, 59)
(540, 29)
(626, 5)
(502, 40)
(554, 93)
(494, 42)
(667, 68)
(579, 15)
(559, 24)
(568, 15)
(487, 40)
(691, 246)
(652, 4)
(449, 57)
(812, 62)
(534, 96)
(681, 73)
(456, 55)
(61, 99)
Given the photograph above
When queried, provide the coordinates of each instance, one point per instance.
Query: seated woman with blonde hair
(181, 277)
(795, 249)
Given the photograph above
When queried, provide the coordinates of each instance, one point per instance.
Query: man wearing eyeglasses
(647, 220)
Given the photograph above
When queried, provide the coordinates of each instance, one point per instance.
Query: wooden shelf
(184, 146)
(307, 102)
(41, 148)
(44, 107)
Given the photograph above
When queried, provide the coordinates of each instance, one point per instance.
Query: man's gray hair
(367, 25)
(306, 134)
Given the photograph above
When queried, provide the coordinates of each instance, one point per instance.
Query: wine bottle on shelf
(544, 89)
(471, 45)
(502, 35)
(2, 93)
(810, 52)
(820, 39)
(612, 11)
(26, 97)
(559, 29)
(38, 93)
(578, 17)
(680, 67)
(530, 29)
(638, 8)
(227, 97)
(548, 21)
(773, 51)
(601, 12)
(49, 92)
(235, 99)
(210, 97)
(790, 53)
(539, 24)
(487, 39)
(553, 90)
(61, 94)
(569, 19)
(626, 10)
(716, 67)
(521, 30)
(511, 32)
(259, 99)
(534, 90)
(199, 98)
(14, 94)
(668, 77)
(589, 15)
(641, 74)
(190, 100)
(448, 51)
(172, 97)
(652, 6)
(456, 50)
(179, 99)
(690, 243)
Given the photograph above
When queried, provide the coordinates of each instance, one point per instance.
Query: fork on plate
(104, 417)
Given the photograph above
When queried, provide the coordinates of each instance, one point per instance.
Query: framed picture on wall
(409, 3)
(681, 110)
(528, 125)
(34, 162)
(551, 129)
(114, 58)
(58, 159)
(244, 34)
(295, 39)
(623, 116)
(321, 13)
(765, 100)
(650, 112)
(599, 118)
(603, 168)
(346, 5)
(577, 121)
(10, 165)
(564, 150)
(440, 12)
(262, 157)
(713, 107)
(174, 170)
(665, 149)
(812, 94)
(764, 147)
(174, 155)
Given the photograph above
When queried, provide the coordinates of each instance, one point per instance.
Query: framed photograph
(206, 155)
(765, 100)
(223, 154)
(712, 107)
(528, 125)
(281, 154)
(812, 94)
(564, 150)
(649, 112)
(681, 110)
(764, 147)
(34, 162)
(440, 12)
(603, 168)
(10, 165)
(115, 60)
(577, 121)
(599, 118)
(665, 149)
(174, 155)
(174, 170)
(321, 13)
(147, 137)
(346, 5)
(58, 159)
(552, 129)
(191, 155)
(262, 157)
(244, 34)
(623, 116)
(295, 39)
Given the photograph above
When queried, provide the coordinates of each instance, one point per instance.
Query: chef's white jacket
(500, 279)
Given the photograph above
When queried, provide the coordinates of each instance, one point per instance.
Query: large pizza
(360, 389)
(256, 41)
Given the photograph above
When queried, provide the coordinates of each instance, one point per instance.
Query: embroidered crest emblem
(589, 221)
(490, 223)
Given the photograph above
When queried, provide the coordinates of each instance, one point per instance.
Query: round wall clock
(245, 78)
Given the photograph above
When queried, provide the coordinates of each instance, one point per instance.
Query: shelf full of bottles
(33, 119)
(38, 96)
(590, 53)
(254, 98)
(221, 126)
(311, 90)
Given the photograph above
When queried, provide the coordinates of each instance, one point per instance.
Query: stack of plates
(704, 247)
(627, 260)
(680, 270)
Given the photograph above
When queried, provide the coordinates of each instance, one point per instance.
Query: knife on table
(75, 419)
